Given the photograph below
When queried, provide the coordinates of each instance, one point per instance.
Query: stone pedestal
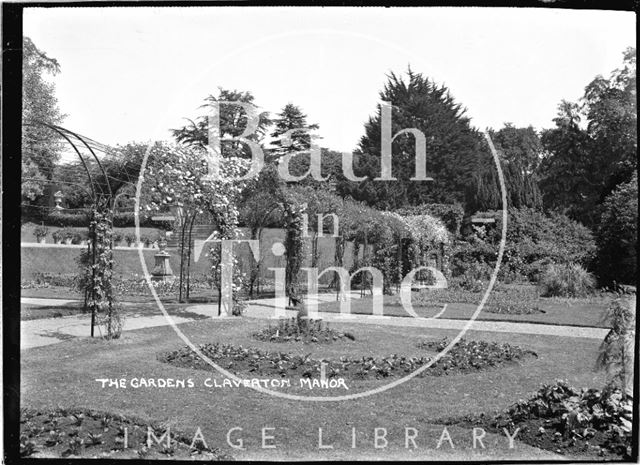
(162, 269)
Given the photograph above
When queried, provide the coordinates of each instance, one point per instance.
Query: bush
(616, 351)
(534, 241)
(566, 281)
(80, 235)
(617, 236)
(467, 255)
(474, 277)
(120, 220)
(40, 231)
(68, 233)
(450, 214)
(62, 219)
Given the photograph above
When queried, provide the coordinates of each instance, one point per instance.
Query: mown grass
(130, 309)
(71, 382)
(588, 311)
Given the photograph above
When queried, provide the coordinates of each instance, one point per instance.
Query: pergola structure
(100, 245)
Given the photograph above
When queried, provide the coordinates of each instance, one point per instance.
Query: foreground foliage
(561, 418)
(88, 433)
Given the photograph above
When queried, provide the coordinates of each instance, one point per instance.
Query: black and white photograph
(319, 233)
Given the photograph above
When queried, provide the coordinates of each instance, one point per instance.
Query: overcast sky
(129, 74)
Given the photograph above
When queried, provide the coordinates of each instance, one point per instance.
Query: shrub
(68, 233)
(473, 277)
(79, 236)
(40, 231)
(566, 281)
(616, 351)
(617, 236)
(466, 256)
(129, 238)
(450, 214)
(534, 241)
(62, 219)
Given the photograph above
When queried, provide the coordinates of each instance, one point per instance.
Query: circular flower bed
(465, 357)
(514, 309)
(468, 356)
(301, 329)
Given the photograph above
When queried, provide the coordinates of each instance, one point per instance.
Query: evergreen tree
(291, 117)
(452, 147)
(520, 152)
(232, 124)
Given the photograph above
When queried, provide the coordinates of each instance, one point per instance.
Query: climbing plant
(177, 177)
(96, 272)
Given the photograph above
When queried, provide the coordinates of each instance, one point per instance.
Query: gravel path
(42, 332)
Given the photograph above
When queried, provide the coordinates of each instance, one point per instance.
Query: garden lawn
(418, 403)
(58, 292)
(589, 312)
(130, 309)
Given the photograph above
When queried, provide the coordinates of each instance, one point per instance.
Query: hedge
(120, 220)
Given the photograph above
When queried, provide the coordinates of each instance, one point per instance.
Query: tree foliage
(617, 236)
(40, 145)
(484, 191)
(233, 122)
(520, 153)
(291, 118)
(452, 147)
(593, 147)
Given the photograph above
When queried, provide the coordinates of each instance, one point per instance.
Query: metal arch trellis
(103, 204)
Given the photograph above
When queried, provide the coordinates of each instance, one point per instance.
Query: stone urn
(162, 270)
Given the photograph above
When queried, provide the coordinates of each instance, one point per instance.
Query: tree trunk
(183, 228)
(255, 265)
(193, 218)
